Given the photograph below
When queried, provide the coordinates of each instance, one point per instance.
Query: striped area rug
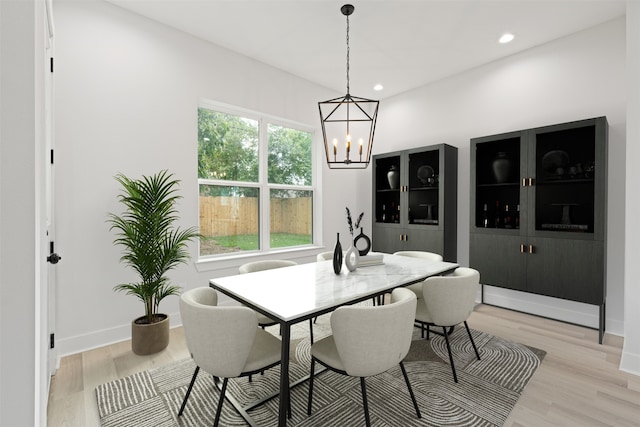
(484, 396)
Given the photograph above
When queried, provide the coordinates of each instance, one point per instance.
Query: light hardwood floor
(577, 384)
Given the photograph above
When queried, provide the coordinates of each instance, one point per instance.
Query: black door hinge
(52, 340)
(51, 63)
(52, 156)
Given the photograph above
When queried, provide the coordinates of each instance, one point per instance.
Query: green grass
(282, 240)
(249, 242)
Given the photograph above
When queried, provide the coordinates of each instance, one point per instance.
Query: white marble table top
(292, 293)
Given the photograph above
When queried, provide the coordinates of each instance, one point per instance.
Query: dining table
(297, 293)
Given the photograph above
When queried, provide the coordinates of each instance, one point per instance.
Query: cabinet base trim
(553, 308)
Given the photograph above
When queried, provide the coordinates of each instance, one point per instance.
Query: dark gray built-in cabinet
(538, 211)
(415, 200)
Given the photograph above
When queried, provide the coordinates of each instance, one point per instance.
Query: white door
(53, 257)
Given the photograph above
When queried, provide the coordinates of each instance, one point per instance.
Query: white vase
(351, 258)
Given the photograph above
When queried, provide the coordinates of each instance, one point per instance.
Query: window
(255, 180)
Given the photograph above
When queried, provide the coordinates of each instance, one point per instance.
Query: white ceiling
(400, 44)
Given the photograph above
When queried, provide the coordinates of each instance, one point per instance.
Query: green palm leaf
(152, 245)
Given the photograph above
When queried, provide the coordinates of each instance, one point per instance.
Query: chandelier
(348, 123)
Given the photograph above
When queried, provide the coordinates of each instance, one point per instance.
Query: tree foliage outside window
(227, 147)
(289, 156)
(233, 196)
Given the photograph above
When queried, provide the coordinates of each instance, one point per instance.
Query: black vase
(337, 256)
(502, 168)
(364, 237)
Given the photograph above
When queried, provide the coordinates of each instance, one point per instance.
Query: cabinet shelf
(565, 181)
(424, 189)
(502, 185)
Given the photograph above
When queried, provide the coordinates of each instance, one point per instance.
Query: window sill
(222, 262)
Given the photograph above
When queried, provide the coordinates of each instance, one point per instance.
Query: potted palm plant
(153, 245)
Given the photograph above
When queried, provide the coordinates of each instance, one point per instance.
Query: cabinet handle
(401, 238)
(530, 182)
(532, 249)
(524, 182)
(521, 248)
(406, 237)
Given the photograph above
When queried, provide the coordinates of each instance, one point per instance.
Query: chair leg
(365, 402)
(472, 342)
(311, 330)
(219, 409)
(453, 368)
(186, 396)
(313, 365)
(413, 397)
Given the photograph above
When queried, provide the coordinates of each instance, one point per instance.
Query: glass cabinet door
(424, 187)
(565, 172)
(497, 178)
(388, 171)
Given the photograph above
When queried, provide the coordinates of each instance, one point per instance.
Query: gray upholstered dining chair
(446, 302)
(251, 267)
(224, 341)
(368, 341)
(324, 256)
(430, 256)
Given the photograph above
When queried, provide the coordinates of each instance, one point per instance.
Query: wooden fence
(225, 216)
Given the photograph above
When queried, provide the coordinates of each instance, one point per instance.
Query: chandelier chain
(348, 54)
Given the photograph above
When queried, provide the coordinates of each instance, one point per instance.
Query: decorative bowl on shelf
(555, 162)
(426, 175)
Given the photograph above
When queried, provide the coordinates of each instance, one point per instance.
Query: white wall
(127, 92)
(631, 351)
(577, 77)
(23, 376)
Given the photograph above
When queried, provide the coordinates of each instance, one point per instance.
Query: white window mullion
(265, 217)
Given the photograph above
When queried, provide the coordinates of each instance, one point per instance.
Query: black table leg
(283, 410)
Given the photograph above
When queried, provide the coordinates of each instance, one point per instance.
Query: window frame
(263, 186)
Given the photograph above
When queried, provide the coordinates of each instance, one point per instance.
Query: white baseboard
(630, 362)
(553, 308)
(96, 339)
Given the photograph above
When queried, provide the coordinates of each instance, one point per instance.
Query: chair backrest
(372, 339)
(219, 338)
(324, 256)
(250, 267)
(451, 299)
(420, 254)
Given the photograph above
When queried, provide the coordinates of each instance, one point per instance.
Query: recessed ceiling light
(378, 87)
(506, 38)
